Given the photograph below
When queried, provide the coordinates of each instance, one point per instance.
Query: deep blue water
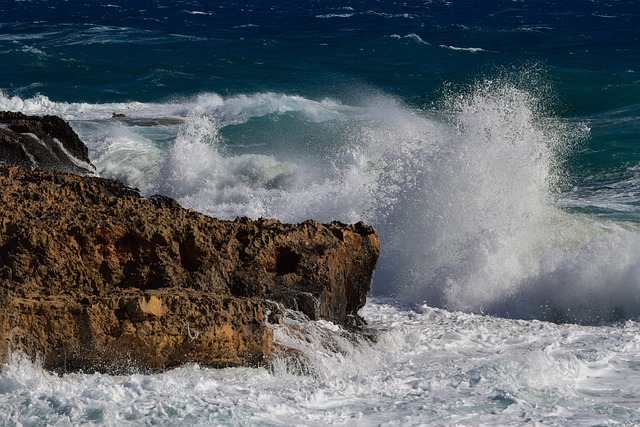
(149, 50)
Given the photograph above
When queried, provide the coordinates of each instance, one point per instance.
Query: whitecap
(412, 36)
(335, 15)
(465, 49)
(197, 12)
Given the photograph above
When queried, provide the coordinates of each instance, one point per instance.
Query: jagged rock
(94, 276)
(46, 142)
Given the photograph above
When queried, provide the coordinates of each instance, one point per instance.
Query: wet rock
(45, 142)
(95, 277)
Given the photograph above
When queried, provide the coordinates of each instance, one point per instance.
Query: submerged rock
(94, 276)
(148, 122)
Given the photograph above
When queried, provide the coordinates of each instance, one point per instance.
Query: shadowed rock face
(93, 276)
(46, 142)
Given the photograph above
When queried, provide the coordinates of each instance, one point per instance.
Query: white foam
(465, 49)
(335, 15)
(428, 367)
(33, 50)
(391, 15)
(197, 12)
(413, 36)
(232, 110)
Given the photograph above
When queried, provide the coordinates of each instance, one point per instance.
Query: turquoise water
(493, 145)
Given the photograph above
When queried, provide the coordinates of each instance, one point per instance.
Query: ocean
(494, 145)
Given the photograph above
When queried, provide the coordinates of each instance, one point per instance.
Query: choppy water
(431, 367)
(493, 146)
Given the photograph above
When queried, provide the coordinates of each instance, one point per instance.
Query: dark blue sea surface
(149, 50)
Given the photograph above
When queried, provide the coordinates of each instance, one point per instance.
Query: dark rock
(146, 122)
(46, 142)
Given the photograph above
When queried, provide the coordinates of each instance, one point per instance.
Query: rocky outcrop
(94, 276)
(47, 142)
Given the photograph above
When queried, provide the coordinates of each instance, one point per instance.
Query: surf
(467, 196)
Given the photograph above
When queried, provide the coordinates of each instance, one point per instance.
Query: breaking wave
(465, 196)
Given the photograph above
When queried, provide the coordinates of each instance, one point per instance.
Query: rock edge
(95, 277)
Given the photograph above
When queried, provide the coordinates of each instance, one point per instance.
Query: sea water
(493, 145)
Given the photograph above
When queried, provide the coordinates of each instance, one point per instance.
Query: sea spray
(476, 224)
(476, 188)
(191, 159)
(466, 198)
(323, 350)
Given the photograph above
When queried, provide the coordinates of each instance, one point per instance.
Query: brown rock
(93, 276)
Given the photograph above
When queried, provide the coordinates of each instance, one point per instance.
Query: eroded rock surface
(94, 276)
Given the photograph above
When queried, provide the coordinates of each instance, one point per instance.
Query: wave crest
(465, 198)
